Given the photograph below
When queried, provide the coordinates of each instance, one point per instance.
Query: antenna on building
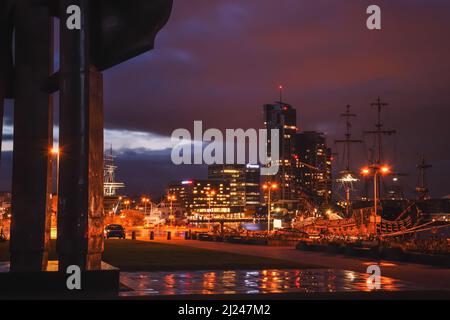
(280, 88)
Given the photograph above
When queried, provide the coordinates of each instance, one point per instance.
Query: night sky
(220, 61)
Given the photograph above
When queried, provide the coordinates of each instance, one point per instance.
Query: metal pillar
(6, 31)
(269, 204)
(80, 203)
(32, 138)
(2, 108)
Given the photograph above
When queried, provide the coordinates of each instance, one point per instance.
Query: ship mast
(422, 189)
(379, 133)
(376, 166)
(347, 177)
(348, 141)
(110, 186)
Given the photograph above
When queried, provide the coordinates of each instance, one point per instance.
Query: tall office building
(283, 117)
(203, 198)
(244, 182)
(313, 165)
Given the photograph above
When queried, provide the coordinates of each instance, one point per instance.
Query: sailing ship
(386, 213)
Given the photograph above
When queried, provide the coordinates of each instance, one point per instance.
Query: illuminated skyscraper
(283, 116)
(313, 166)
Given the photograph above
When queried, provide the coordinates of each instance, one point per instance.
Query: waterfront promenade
(428, 277)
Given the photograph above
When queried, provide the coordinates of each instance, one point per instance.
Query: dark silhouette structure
(112, 31)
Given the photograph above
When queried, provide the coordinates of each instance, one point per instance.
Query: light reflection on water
(250, 282)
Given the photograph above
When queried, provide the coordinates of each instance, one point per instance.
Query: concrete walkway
(421, 275)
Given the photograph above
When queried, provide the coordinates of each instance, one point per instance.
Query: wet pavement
(250, 282)
(429, 277)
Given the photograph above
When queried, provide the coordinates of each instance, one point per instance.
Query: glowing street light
(171, 198)
(385, 170)
(365, 171)
(269, 187)
(376, 170)
(145, 201)
(55, 151)
(210, 195)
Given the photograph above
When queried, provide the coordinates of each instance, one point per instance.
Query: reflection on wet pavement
(250, 282)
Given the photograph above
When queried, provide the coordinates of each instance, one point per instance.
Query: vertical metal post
(2, 108)
(80, 203)
(347, 201)
(375, 199)
(32, 138)
(6, 61)
(268, 210)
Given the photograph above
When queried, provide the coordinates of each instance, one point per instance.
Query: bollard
(169, 235)
(133, 235)
(152, 235)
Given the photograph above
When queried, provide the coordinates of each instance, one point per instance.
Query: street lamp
(385, 170)
(55, 151)
(171, 198)
(145, 201)
(210, 195)
(269, 187)
(376, 170)
(127, 204)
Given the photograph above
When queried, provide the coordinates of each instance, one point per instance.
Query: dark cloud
(150, 172)
(216, 58)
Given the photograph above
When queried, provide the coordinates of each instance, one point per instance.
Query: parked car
(114, 231)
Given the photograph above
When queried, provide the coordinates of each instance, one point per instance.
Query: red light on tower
(280, 88)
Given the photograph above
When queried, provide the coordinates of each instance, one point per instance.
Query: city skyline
(224, 150)
(237, 75)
